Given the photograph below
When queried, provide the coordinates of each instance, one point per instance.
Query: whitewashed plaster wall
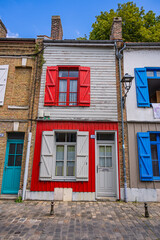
(139, 58)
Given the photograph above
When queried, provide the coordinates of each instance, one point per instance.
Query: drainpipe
(26, 165)
(120, 56)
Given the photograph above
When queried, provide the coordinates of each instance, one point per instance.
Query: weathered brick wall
(56, 28)
(18, 88)
(116, 30)
(22, 90)
(3, 30)
(120, 130)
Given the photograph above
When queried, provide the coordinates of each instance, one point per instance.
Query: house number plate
(1, 134)
(93, 136)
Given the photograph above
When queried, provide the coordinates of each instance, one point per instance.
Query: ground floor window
(149, 155)
(65, 154)
(155, 153)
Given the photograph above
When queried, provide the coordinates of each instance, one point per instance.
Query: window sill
(58, 180)
(18, 107)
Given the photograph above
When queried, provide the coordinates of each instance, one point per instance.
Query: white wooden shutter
(3, 82)
(47, 155)
(82, 156)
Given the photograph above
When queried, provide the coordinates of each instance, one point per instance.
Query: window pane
(71, 153)
(19, 148)
(154, 152)
(153, 137)
(63, 73)
(62, 98)
(102, 161)
(108, 151)
(16, 135)
(102, 151)
(73, 99)
(12, 147)
(158, 73)
(60, 153)
(70, 169)
(59, 169)
(73, 86)
(108, 162)
(73, 73)
(150, 74)
(155, 166)
(63, 86)
(11, 160)
(105, 136)
(18, 160)
(71, 137)
(60, 137)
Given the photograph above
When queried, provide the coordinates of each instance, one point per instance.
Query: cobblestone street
(78, 220)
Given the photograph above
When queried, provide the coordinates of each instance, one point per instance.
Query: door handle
(97, 168)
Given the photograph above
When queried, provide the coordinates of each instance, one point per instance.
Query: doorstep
(8, 196)
(106, 199)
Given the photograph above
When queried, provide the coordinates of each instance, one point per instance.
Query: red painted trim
(91, 127)
(52, 90)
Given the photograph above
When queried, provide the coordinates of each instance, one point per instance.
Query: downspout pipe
(26, 166)
(119, 56)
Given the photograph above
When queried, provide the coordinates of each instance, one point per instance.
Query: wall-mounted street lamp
(127, 82)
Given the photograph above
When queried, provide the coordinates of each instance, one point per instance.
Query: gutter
(119, 57)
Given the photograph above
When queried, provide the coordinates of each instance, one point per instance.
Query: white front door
(106, 170)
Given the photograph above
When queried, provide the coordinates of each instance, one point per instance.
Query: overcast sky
(29, 18)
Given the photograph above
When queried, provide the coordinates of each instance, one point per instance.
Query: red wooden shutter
(50, 88)
(84, 90)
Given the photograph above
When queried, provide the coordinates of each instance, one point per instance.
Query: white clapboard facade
(76, 145)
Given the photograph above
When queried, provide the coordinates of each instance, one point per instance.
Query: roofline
(17, 39)
(71, 42)
(143, 44)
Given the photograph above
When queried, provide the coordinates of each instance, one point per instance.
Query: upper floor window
(68, 82)
(67, 86)
(147, 86)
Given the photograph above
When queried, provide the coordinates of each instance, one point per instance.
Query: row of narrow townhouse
(64, 132)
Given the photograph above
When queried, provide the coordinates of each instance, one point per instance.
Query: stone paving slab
(78, 220)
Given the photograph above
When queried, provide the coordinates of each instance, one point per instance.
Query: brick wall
(22, 90)
(116, 30)
(3, 30)
(56, 28)
(120, 129)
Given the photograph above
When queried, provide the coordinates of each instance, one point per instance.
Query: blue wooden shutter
(144, 155)
(142, 87)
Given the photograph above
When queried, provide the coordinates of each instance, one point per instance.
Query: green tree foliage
(136, 25)
(82, 38)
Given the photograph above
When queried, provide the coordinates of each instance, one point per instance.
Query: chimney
(116, 30)
(56, 28)
(3, 30)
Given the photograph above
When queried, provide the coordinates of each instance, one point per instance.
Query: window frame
(158, 151)
(69, 68)
(65, 144)
(146, 69)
